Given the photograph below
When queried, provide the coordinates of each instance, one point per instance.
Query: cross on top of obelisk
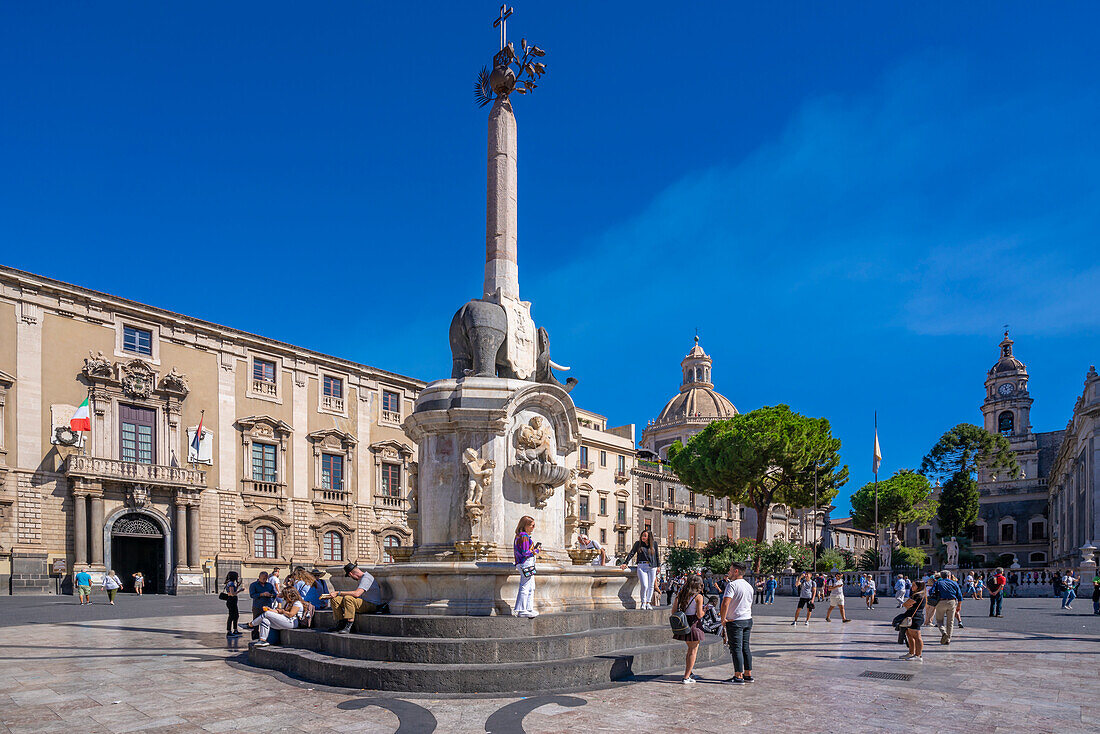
(502, 23)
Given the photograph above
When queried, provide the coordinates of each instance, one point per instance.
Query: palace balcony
(116, 470)
(333, 403)
(332, 496)
(586, 467)
(263, 387)
(262, 488)
(391, 502)
(693, 510)
(391, 416)
(622, 477)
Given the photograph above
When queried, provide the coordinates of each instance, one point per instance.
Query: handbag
(223, 596)
(527, 571)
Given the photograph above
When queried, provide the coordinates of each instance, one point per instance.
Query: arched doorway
(137, 544)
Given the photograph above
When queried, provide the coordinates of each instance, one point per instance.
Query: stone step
(512, 677)
(451, 651)
(495, 627)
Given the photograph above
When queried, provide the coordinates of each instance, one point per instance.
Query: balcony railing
(268, 489)
(621, 476)
(333, 403)
(336, 496)
(263, 387)
(587, 467)
(388, 500)
(127, 471)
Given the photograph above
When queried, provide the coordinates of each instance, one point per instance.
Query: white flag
(878, 454)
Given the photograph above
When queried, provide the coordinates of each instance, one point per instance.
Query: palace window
(648, 492)
(1038, 530)
(603, 536)
(621, 468)
(332, 546)
(620, 543)
(710, 532)
(388, 543)
(333, 387)
(583, 507)
(332, 471)
(1008, 532)
(603, 506)
(391, 480)
(391, 406)
(603, 458)
(671, 495)
(977, 534)
(263, 370)
(670, 538)
(137, 435)
(137, 341)
(924, 536)
(1038, 557)
(620, 515)
(263, 463)
(584, 457)
(712, 504)
(1005, 423)
(691, 535)
(263, 541)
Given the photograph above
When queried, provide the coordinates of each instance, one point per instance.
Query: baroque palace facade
(302, 460)
(302, 457)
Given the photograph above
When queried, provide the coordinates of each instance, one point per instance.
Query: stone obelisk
(501, 268)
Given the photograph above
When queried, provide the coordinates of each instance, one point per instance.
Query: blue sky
(848, 200)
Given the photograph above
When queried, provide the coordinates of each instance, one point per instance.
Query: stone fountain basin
(538, 473)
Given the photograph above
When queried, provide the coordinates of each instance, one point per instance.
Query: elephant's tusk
(557, 366)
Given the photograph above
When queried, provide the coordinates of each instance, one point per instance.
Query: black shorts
(803, 602)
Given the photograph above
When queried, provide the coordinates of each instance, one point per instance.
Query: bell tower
(1007, 406)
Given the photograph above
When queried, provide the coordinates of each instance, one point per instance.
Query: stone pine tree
(904, 498)
(762, 459)
(957, 458)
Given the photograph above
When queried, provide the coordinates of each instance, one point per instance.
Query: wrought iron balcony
(93, 467)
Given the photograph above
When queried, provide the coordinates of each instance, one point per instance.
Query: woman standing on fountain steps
(525, 553)
(645, 547)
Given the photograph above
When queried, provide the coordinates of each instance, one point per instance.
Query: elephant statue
(478, 337)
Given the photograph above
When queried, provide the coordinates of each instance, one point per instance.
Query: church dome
(1007, 363)
(697, 398)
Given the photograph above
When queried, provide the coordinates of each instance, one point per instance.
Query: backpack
(678, 621)
(307, 614)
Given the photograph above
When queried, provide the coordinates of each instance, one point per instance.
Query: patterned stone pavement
(177, 674)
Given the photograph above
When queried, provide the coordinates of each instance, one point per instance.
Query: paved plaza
(163, 665)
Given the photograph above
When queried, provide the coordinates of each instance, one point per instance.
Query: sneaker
(260, 643)
(905, 656)
(916, 658)
(736, 681)
(529, 615)
(748, 679)
(846, 621)
(807, 623)
(794, 623)
(686, 681)
(344, 629)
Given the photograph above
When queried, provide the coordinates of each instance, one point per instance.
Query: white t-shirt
(298, 611)
(274, 581)
(740, 594)
(593, 544)
(836, 587)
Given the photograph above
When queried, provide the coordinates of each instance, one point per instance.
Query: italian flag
(80, 420)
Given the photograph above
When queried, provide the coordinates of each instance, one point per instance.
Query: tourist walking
(868, 587)
(525, 552)
(274, 580)
(997, 592)
(911, 621)
(111, 584)
(836, 599)
(139, 582)
(769, 590)
(649, 561)
(949, 596)
(690, 602)
(229, 596)
(979, 587)
(736, 618)
(899, 590)
(1069, 589)
(262, 594)
(83, 583)
(807, 590)
(286, 616)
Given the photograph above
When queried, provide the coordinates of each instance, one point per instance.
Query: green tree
(763, 458)
(958, 505)
(681, 559)
(965, 449)
(869, 560)
(905, 556)
(904, 498)
(830, 558)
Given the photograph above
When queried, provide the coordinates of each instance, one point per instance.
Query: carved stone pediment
(264, 426)
(333, 438)
(137, 379)
(175, 382)
(392, 450)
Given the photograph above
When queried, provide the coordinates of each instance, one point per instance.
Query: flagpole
(875, 467)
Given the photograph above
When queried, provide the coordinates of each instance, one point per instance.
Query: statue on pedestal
(951, 549)
(481, 476)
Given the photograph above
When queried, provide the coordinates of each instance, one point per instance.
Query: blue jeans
(995, 601)
(737, 636)
(1067, 597)
(769, 596)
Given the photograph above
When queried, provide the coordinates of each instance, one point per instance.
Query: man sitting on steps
(366, 598)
